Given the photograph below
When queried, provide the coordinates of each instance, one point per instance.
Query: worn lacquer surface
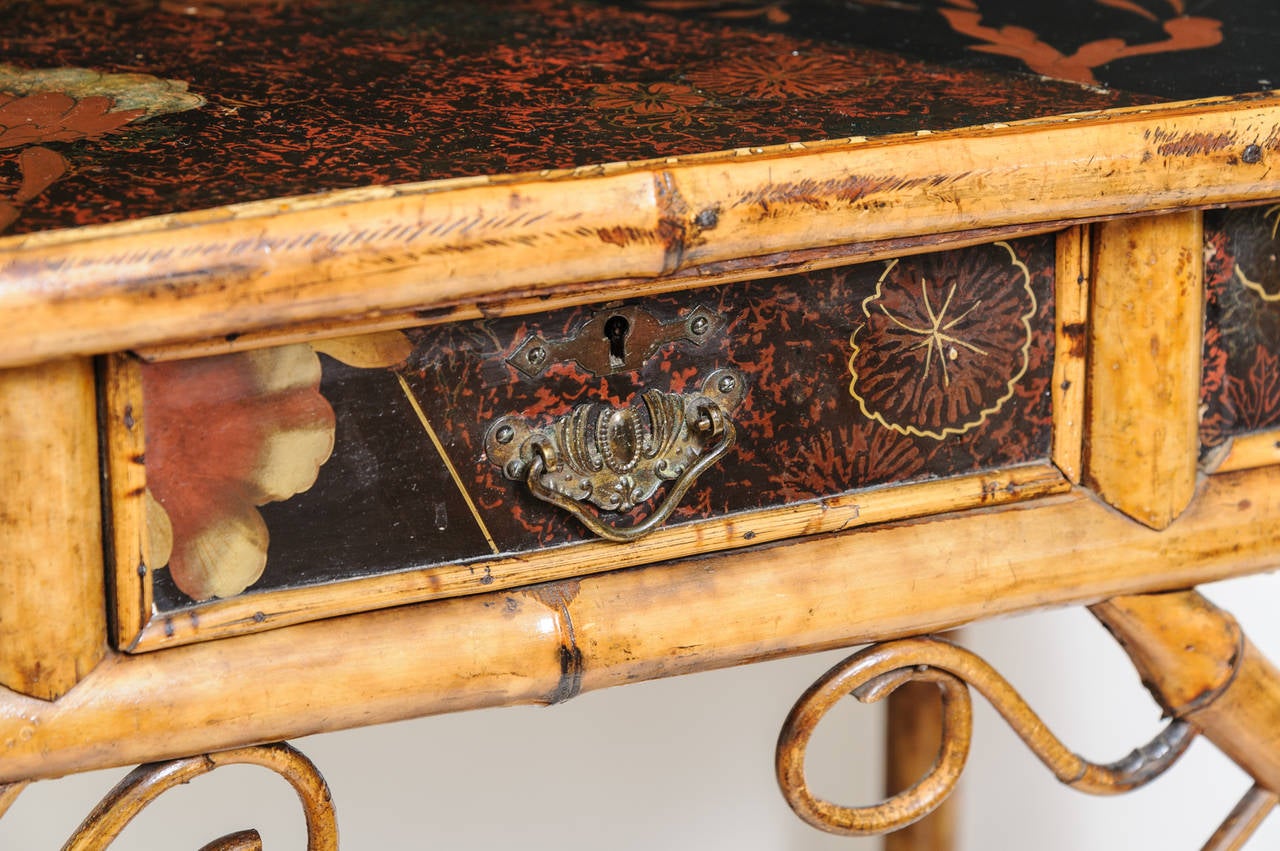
(907, 370)
(267, 99)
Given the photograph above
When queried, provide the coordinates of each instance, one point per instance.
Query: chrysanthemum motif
(945, 340)
(646, 98)
(777, 77)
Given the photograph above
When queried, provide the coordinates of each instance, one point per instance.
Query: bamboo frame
(703, 275)
(1071, 350)
(140, 631)
(1200, 667)
(476, 240)
(124, 438)
(1247, 451)
(549, 642)
(1145, 339)
(52, 618)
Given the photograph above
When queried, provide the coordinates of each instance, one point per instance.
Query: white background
(687, 763)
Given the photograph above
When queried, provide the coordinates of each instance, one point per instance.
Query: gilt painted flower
(944, 340)
(51, 105)
(227, 434)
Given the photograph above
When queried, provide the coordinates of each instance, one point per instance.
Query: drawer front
(1240, 395)
(318, 478)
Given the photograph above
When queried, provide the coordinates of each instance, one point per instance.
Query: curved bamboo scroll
(875, 672)
(147, 782)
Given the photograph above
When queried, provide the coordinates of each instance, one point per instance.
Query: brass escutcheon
(613, 341)
(617, 458)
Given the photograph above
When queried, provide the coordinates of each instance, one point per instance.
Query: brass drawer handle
(616, 458)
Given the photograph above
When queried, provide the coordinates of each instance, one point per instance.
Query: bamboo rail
(237, 269)
(547, 643)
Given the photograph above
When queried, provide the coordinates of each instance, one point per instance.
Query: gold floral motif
(946, 338)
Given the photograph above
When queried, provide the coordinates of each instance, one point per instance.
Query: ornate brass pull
(616, 458)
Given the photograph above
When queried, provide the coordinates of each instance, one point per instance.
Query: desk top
(176, 172)
(128, 109)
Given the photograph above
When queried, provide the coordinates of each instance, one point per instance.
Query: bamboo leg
(914, 730)
(9, 793)
(53, 623)
(1198, 665)
(1247, 816)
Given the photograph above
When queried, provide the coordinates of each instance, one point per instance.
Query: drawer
(1240, 396)
(299, 481)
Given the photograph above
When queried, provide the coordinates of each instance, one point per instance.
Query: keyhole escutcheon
(616, 329)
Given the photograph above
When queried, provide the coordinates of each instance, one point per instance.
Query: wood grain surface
(1145, 339)
(518, 647)
(52, 620)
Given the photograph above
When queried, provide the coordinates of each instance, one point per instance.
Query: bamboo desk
(432, 356)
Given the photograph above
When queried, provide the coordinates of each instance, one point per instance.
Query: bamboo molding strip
(1145, 338)
(437, 245)
(1251, 450)
(706, 275)
(547, 643)
(256, 612)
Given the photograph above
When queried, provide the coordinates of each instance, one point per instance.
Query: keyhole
(616, 329)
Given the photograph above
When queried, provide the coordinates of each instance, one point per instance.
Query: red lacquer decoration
(945, 339)
(1185, 32)
(40, 107)
(1240, 390)
(228, 434)
(787, 74)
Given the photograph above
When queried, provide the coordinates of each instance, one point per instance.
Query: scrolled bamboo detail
(147, 782)
(872, 674)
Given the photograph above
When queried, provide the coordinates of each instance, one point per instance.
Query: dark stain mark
(623, 237)
(1252, 154)
(820, 194)
(168, 627)
(557, 596)
(673, 212)
(140, 458)
(1191, 144)
(1244, 504)
(571, 668)
(232, 337)
(1075, 334)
